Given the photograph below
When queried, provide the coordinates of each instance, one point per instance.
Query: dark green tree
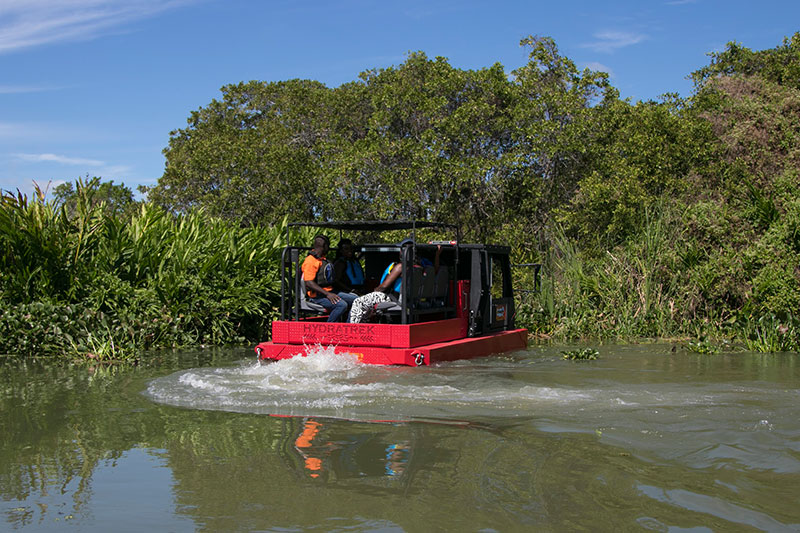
(251, 156)
(431, 145)
(643, 153)
(117, 199)
(554, 132)
(779, 65)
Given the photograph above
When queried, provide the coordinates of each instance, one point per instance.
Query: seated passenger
(391, 284)
(318, 277)
(348, 276)
(389, 288)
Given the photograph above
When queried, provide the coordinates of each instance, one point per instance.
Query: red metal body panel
(382, 335)
(392, 344)
(464, 348)
(505, 341)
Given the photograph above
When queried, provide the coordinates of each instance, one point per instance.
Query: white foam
(324, 381)
(193, 380)
(530, 392)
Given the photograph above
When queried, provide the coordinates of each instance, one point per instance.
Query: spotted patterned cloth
(364, 306)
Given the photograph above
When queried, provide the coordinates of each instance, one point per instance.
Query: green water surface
(644, 438)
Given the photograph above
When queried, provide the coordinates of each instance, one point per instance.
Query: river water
(645, 438)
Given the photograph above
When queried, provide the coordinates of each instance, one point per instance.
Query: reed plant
(625, 292)
(89, 281)
(660, 282)
(772, 334)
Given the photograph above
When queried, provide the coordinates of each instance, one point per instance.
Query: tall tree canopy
(420, 140)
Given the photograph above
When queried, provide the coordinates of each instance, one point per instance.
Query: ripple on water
(722, 425)
(341, 386)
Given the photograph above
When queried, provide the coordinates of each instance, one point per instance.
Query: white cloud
(115, 171)
(45, 134)
(98, 167)
(608, 41)
(23, 89)
(54, 169)
(27, 23)
(599, 67)
(63, 160)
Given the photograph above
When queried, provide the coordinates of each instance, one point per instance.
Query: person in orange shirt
(318, 275)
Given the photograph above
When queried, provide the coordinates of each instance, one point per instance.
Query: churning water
(699, 411)
(336, 385)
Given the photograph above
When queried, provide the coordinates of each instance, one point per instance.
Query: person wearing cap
(318, 277)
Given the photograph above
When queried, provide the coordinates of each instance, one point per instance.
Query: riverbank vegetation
(676, 218)
(82, 278)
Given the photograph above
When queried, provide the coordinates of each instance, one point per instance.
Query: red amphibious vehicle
(461, 310)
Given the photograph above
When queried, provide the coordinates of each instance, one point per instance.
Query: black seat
(442, 285)
(428, 287)
(429, 294)
(417, 277)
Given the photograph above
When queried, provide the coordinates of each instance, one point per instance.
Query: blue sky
(95, 86)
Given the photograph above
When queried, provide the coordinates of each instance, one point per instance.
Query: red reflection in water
(303, 443)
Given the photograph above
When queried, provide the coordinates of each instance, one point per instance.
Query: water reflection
(312, 463)
(397, 456)
(327, 453)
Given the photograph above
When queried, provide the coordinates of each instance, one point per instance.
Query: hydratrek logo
(340, 332)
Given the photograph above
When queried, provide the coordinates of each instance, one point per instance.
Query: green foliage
(44, 251)
(703, 345)
(770, 333)
(710, 185)
(779, 65)
(120, 285)
(669, 218)
(757, 124)
(420, 140)
(646, 152)
(555, 132)
(430, 146)
(586, 354)
(630, 291)
(116, 199)
(251, 156)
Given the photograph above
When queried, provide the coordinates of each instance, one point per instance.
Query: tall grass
(74, 282)
(772, 334)
(644, 287)
(621, 294)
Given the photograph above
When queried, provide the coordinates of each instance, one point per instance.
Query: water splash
(325, 383)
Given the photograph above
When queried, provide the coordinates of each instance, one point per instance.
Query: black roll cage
(291, 256)
(479, 269)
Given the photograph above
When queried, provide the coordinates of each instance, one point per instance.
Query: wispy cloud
(598, 67)
(93, 166)
(28, 23)
(680, 2)
(63, 160)
(24, 130)
(24, 89)
(608, 41)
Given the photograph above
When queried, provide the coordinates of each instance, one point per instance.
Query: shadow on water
(641, 438)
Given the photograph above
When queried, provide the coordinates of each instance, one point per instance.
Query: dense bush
(96, 281)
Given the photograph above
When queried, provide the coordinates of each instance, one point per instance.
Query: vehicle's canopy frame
(291, 256)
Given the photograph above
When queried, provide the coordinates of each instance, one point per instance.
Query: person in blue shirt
(389, 287)
(348, 276)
